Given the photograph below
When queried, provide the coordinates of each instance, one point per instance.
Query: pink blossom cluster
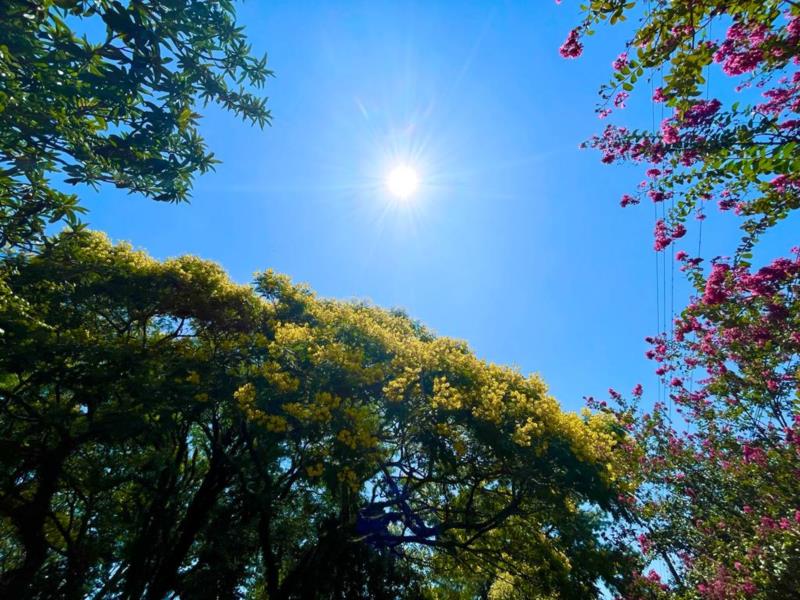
(725, 587)
(700, 113)
(572, 47)
(715, 284)
(664, 235)
(783, 98)
(786, 183)
(742, 50)
(724, 282)
(620, 62)
(669, 132)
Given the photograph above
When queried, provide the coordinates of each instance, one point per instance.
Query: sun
(402, 181)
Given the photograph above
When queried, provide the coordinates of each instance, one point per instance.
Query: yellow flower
(246, 394)
(349, 478)
(315, 470)
(274, 423)
(347, 438)
(445, 395)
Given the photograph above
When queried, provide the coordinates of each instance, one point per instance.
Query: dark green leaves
(115, 107)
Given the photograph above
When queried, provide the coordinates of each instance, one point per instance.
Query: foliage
(105, 91)
(165, 430)
(717, 499)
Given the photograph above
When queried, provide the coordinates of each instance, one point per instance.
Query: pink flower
(780, 99)
(669, 133)
(572, 47)
(741, 52)
(662, 239)
(782, 182)
(715, 292)
(655, 578)
(793, 28)
(701, 112)
(620, 62)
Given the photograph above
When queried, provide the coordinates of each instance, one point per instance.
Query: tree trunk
(196, 515)
(268, 554)
(29, 520)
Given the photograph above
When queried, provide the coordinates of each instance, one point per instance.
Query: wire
(655, 222)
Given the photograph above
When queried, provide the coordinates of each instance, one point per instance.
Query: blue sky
(515, 241)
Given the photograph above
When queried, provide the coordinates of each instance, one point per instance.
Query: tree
(105, 91)
(167, 431)
(718, 498)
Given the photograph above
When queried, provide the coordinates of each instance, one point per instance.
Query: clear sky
(515, 240)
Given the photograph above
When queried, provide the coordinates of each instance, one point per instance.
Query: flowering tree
(718, 499)
(166, 431)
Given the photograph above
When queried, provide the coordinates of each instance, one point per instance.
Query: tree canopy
(717, 497)
(168, 431)
(106, 92)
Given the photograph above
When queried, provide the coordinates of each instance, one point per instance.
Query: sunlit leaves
(274, 441)
(105, 92)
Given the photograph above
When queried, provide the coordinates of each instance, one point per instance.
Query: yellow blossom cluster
(274, 423)
(456, 439)
(346, 437)
(291, 336)
(529, 430)
(491, 405)
(320, 410)
(279, 379)
(592, 439)
(315, 470)
(445, 395)
(363, 426)
(349, 478)
(395, 390)
(246, 398)
(344, 358)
